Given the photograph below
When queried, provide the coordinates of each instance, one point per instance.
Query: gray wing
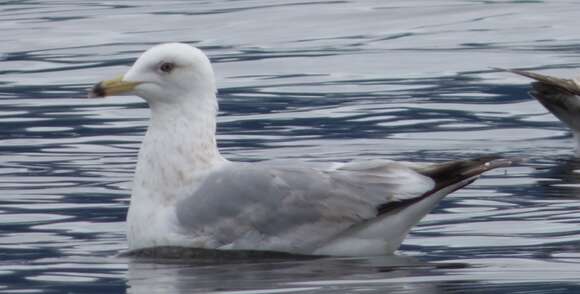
(258, 206)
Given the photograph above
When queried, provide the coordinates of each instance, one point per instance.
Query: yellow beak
(112, 87)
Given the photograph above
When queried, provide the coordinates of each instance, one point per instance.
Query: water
(326, 80)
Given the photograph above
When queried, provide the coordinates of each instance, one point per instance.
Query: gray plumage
(302, 210)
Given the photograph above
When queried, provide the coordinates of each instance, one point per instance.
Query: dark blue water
(326, 80)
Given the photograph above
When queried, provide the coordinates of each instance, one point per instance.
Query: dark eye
(167, 67)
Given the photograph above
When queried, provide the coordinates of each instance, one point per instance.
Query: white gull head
(170, 73)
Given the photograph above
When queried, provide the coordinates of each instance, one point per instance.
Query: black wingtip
(449, 173)
(566, 86)
(459, 172)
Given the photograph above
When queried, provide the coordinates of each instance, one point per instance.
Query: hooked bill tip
(97, 91)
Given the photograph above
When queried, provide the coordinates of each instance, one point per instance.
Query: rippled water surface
(405, 80)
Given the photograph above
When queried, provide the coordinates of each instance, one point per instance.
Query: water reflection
(271, 276)
(560, 179)
(394, 274)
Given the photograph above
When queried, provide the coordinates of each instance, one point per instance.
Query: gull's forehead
(173, 52)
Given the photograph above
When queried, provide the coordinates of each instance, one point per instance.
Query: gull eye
(167, 67)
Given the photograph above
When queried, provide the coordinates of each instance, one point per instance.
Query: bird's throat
(178, 151)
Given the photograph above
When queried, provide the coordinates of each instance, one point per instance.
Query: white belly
(150, 225)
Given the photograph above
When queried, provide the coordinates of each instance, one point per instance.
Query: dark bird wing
(558, 95)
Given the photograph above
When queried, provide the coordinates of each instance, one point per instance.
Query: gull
(187, 195)
(560, 96)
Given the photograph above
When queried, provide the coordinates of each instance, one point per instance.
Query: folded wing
(300, 209)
